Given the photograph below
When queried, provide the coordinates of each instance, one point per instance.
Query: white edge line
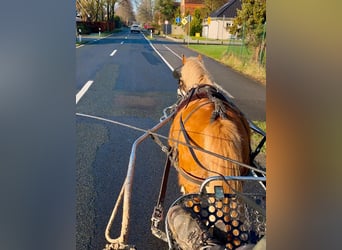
(83, 90)
(114, 51)
(173, 52)
(166, 62)
(225, 91)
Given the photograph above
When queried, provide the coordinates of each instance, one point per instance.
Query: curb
(92, 37)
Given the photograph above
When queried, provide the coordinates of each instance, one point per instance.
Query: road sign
(184, 21)
(209, 20)
(178, 19)
(189, 17)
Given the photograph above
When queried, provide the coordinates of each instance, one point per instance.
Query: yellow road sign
(184, 21)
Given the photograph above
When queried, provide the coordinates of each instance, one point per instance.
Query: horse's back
(225, 137)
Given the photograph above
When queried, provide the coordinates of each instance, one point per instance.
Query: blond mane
(194, 73)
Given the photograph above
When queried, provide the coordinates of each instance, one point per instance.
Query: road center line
(114, 51)
(83, 90)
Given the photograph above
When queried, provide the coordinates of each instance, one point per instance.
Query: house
(216, 26)
(190, 6)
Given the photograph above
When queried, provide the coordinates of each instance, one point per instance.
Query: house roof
(228, 10)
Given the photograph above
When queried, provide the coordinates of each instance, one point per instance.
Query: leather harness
(220, 102)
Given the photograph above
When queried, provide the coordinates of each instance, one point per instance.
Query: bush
(196, 28)
(117, 21)
(196, 23)
(84, 28)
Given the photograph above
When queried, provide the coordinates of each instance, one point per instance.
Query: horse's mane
(194, 73)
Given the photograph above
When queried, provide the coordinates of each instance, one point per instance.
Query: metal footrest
(233, 219)
(228, 219)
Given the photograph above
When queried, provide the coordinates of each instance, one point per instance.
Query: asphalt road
(131, 84)
(249, 95)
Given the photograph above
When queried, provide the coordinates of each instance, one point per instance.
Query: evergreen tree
(166, 8)
(196, 23)
(250, 24)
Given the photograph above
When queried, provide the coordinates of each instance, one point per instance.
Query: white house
(217, 24)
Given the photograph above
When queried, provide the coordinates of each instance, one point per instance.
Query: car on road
(135, 28)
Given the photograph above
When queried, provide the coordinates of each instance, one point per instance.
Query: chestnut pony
(206, 119)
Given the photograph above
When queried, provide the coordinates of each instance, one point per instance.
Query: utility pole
(222, 27)
(189, 20)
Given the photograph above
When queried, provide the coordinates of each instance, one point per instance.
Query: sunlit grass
(256, 138)
(237, 57)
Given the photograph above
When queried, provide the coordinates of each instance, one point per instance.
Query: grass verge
(235, 57)
(256, 138)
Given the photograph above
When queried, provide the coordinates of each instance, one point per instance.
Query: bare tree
(145, 11)
(85, 9)
(125, 11)
(92, 10)
(213, 5)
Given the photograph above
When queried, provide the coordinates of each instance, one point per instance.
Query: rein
(219, 101)
(197, 180)
(198, 92)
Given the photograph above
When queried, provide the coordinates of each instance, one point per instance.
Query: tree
(177, 13)
(196, 23)
(166, 8)
(212, 5)
(145, 12)
(87, 9)
(125, 12)
(96, 10)
(110, 9)
(250, 24)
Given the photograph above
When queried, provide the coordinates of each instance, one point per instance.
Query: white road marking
(172, 69)
(173, 52)
(114, 51)
(166, 62)
(83, 90)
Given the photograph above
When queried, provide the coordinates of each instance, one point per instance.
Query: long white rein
(167, 138)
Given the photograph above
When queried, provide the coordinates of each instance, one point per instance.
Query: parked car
(135, 28)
